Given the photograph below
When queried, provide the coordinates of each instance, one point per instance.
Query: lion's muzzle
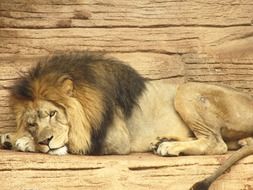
(46, 141)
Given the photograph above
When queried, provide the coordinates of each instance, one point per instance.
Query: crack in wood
(141, 168)
(129, 26)
(178, 175)
(164, 78)
(52, 169)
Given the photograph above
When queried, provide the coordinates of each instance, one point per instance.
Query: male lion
(85, 103)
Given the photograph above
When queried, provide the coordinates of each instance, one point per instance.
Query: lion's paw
(25, 144)
(169, 149)
(156, 146)
(60, 151)
(5, 141)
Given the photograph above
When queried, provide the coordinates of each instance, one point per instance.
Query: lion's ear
(67, 87)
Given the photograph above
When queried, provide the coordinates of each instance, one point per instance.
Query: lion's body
(102, 106)
(153, 117)
(156, 117)
(227, 112)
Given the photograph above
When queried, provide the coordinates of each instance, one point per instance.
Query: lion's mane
(89, 86)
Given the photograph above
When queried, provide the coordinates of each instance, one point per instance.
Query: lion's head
(70, 100)
(52, 112)
(47, 123)
(42, 110)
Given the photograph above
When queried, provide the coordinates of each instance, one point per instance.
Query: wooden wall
(173, 40)
(181, 40)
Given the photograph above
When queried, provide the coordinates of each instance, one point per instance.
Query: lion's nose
(46, 141)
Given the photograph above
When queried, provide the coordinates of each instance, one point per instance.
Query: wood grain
(136, 171)
(124, 13)
(181, 40)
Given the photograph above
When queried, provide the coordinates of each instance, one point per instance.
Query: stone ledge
(136, 171)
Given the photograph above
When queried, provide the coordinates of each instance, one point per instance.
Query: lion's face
(47, 123)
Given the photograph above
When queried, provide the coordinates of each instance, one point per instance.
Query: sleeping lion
(87, 103)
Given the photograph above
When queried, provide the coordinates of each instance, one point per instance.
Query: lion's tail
(238, 155)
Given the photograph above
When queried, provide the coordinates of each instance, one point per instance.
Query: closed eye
(52, 113)
(31, 125)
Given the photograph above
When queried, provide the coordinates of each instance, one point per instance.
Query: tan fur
(155, 117)
(117, 140)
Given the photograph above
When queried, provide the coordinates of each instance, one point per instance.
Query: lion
(91, 104)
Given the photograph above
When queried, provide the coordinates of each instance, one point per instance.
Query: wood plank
(215, 43)
(136, 171)
(171, 40)
(123, 13)
(150, 65)
(32, 42)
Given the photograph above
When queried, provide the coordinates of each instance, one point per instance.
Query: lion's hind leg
(200, 115)
(207, 140)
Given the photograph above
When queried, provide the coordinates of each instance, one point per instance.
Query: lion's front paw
(60, 151)
(154, 145)
(25, 144)
(158, 146)
(169, 149)
(6, 141)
